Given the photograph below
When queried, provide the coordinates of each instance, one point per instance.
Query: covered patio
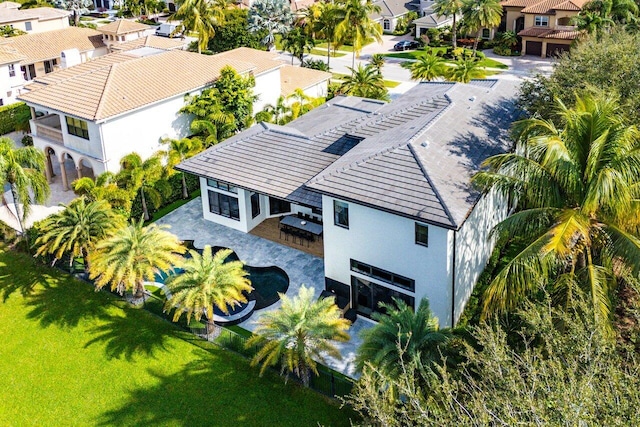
(271, 229)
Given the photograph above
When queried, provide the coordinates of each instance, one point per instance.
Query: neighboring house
(391, 11)
(313, 83)
(36, 20)
(390, 183)
(151, 41)
(122, 31)
(546, 26)
(97, 112)
(10, 76)
(430, 19)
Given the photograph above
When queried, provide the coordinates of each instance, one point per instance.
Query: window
(12, 70)
(77, 127)
(48, 66)
(369, 295)
(255, 205)
(486, 33)
(278, 206)
(383, 275)
(224, 205)
(341, 214)
(541, 21)
(386, 24)
(422, 234)
(27, 26)
(221, 185)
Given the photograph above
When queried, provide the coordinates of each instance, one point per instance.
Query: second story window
(422, 234)
(12, 70)
(77, 127)
(341, 214)
(541, 21)
(27, 26)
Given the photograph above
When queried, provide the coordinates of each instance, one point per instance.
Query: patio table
(301, 224)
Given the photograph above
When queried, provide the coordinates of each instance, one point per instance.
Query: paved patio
(187, 223)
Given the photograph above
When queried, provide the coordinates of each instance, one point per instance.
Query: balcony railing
(565, 28)
(48, 132)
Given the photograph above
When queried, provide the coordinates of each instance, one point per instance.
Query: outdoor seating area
(272, 229)
(300, 228)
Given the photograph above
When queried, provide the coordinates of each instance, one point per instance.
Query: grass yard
(71, 356)
(338, 78)
(415, 54)
(323, 52)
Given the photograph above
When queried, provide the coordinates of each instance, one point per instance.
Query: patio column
(63, 171)
(47, 168)
(79, 171)
(543, 54)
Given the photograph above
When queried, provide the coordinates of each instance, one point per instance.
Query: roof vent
(473, 98)
(425, 144)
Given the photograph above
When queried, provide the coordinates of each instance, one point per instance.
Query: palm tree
(179, 151)
(300, 103)
(201, 16)
(592, 23)
(366, 82)
(509, 39)
(133, 255)
(298, 334)
(449, 8)
(328, 18)
(104, 187)
(401, 335)
(357, 25)
(297, 42)
(576, 188)
(465, 70)
(377, 61)
(77, 229)
(280, 113)
(217, 127)
(23, 170)
(272, 16)
(428, 67)
(479, 14)
(207, 282)
(147, 177)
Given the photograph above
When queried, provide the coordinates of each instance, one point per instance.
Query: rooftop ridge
(107, 82)
(433, 120)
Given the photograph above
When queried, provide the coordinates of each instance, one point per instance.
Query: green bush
(176, 193)
(27, 141)
(14, 117)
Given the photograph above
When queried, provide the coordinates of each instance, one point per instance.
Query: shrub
(316, 64)
(14, 117)
(176, 193)
(27, 141)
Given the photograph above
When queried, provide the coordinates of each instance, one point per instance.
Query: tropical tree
(301, 103)
(148, 177)
(23, 170)
(576, 188)
(450, 8)
(328, 16)
(77, 229)
(208, 281)
(479, 14)
(377, 61)
(364, 81)
(280, 113)
(297, 42)
(401, 335)
(133, 255)
(104, 187)
(218, 127)
(179, 151)
(77, 7)
(591, 22)
(428, 67)
(298, 334)
(465, 70)
(357, 26)
(599, 16)
(202, 17)
(272, 16)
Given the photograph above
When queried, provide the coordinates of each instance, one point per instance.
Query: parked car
(168, 30)
(406, 44)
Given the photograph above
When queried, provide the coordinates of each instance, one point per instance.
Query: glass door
(363, 296)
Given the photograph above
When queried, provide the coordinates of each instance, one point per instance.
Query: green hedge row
(14, 117)
(193, 183)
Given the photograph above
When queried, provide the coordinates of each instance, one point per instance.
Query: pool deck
(187, 223)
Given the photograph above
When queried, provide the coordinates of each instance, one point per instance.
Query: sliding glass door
(368, 295)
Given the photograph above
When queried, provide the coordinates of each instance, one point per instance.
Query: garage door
(534, 48)
(554, 49)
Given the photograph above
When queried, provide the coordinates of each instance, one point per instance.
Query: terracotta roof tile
(519, 3)
(8, 56)
(292, 78)
(263, 61)
(548, 7)
(123, 26)
(151, 41)
(548, 33)
(8, 15)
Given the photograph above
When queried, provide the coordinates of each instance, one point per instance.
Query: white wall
(244, 205)
(317, 91)
(9, 86)
(474, 247)
(387, 241)
(42, 26)
(267, 88)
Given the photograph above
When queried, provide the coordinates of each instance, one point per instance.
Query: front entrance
(368, 295)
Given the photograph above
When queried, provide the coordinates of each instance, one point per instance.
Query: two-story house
(10, 76)
(95, 113)
(387, 188)
(35, 20)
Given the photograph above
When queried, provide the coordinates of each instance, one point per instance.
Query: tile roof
(9, 5)
(392, 8)
(432, 20)
(548, 33)
(151, 41)
(549, 7)
(292, 78)
(8, 15)
(48, 45)
(519, 3)
(123, 26)
(9, 56)
(261, 60)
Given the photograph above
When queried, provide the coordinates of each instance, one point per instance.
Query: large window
(341, 214)
(48, 65)
(383, 275)
(12, 70)
(255, 205)
(369, 295)
(541, 21)
(27, 26)
(278, 206)
(77, 127)
(422, 234)
(224, 205)
(221, 185)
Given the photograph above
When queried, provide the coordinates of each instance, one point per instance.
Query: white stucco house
(391, 11)
(97, 112)
(11, 79)
(389, 183)
(35, 20)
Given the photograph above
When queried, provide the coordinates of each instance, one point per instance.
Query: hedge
(14, 117)
(193, 183)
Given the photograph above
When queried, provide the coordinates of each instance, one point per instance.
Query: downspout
(453, 282)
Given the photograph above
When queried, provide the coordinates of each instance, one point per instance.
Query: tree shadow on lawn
(21, 274)
(221, 389)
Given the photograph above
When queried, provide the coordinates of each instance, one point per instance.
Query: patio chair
(300, 215)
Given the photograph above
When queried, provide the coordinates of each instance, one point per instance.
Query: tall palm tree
(148, 177)
(357, 25)
(366, 82)
(576, 188)
(328, 17)
(77, 229)
(479, 14)
(280, 113)
(301, 103)
(201, 16)
(377, 61)
(401, 335)
(450, 8)
(133, 255)
(272, 16)
(465, 70)
(23, 170)
(207, 282)
(297, 42)
(179, 151)
(298, 334)
(217, 127)
(104, 187)
(428, 67)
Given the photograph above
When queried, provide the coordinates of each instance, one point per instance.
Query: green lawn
(71, 356)
(415, 54)
(387, 83)
(323, 52)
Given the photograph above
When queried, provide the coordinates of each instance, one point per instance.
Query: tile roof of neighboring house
(48, 45)
(292, 78)
(548, 33)
(121, 82)
(413, 157)
(392, 8)
(432, 20)
(151, 41)
(8, 15)
(263, 61)
(9, 56)
(123, 26)
(549, 7)
(9, 5)
(297, 5)
(519, 3)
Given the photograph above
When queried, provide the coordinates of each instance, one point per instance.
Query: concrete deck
(188, 224)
